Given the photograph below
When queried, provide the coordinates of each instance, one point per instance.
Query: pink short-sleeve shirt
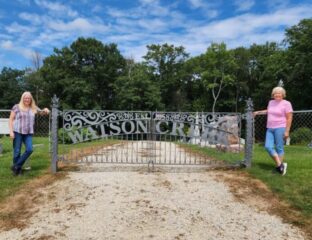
(277, 113)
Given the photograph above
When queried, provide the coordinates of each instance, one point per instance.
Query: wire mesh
(41, 129)
(301, 129)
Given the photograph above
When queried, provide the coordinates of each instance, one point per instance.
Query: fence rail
(41, 128)
(300, 132)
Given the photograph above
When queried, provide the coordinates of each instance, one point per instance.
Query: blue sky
(29, 26)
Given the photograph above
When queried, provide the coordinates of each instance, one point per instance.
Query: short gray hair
(278, 89)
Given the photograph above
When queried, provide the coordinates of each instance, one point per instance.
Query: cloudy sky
(28, 26)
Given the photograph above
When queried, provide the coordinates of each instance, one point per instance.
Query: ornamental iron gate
(143, 137)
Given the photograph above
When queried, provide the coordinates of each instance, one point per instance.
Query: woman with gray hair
(279, 119)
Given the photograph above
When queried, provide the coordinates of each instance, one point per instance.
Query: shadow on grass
(264, 166)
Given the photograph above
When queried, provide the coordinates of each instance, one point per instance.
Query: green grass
(296, 186)
(40, 162)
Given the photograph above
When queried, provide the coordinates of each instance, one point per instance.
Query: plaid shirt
(24, 120)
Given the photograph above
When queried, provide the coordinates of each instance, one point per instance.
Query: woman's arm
(261, 112)
(43, 111)
(11, 119)
(289, 117)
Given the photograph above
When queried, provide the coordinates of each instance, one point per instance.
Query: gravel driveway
(142, 205)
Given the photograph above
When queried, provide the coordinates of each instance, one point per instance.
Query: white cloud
(244, 5)
(5, 36)
(147, 23)
(275, 4)
(197, 3)
(116, 13)
(18, 28)
(33, 18)
(208, 8)
(82, 25)
(148, 2)
(134, 52)
(245, 24)
(8, 45)
(57, 8)
(97, 8)
(154, 25)
(48, 39)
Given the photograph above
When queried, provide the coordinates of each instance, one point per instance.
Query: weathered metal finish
(149, 137)
(249, 133)
(88, 125)
(54, 128)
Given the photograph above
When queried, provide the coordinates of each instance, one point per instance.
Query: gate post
(249, 133)
(54, 127)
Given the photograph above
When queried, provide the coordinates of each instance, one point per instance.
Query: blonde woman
(279, 121)
(21, 125)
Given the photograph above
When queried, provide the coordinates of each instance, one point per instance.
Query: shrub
(301, 135)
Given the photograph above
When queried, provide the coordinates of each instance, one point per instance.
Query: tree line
(89, 74)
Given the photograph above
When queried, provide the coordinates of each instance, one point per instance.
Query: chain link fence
(300, 133)
(41, 128)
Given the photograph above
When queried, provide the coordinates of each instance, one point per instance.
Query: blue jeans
(19, 160)
(274, 141)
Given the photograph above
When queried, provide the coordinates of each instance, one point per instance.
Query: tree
(167, 65)
(299, 58)
(83, 74)
(135, 90)
(242, 75)
(218, 68)
(11, 87)
(34, 82)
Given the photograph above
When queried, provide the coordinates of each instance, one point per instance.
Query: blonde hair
(33, 105)
(279, 89)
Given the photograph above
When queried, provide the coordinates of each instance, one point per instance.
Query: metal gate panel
(147, 137)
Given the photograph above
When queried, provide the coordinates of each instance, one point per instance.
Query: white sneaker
(284, 169)
(27, 168)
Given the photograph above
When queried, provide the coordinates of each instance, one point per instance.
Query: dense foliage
(92, 75)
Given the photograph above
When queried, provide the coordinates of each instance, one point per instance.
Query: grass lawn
(296, 185)
(40, 162)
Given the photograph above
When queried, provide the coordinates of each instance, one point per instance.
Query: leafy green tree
(243, 76)
(196, 93)
(260, 67)
(11, 87)
(299, 59)
(218, 68)
(167, 65)
(135, 90)
(267, 67)
(83, 74)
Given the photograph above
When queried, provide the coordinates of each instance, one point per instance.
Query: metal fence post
(249, 133)
(54, 127)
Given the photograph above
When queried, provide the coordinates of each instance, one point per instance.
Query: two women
(279, 119)
(21, 125)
